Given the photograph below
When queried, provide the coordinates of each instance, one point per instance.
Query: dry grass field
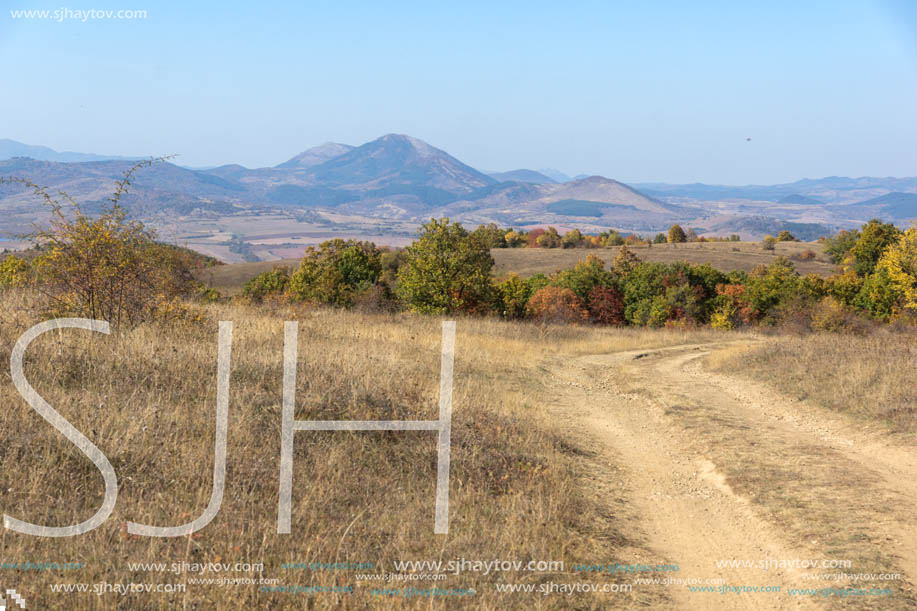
(724, 256)
(229, 279)
(578, 444)
(147, 399)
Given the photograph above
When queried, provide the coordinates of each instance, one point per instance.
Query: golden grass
(724, 256)
(229, 279)
(146, 398)
(871, 377)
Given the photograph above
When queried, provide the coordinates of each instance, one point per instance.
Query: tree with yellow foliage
(899, 261)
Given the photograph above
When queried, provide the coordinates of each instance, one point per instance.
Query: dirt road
(706, 468)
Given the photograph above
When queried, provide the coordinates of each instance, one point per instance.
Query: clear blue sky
(638, 91)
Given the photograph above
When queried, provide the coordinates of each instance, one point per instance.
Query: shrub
(274, 282)
(554, 304)
(830, 314)
(606, 306)
(512, 295)
(377, 299)
(446, 270)
(786, 236)
(769, 242)
(108, 267)
(806, 255)
(336, 272)
(14, 272)
(769, 287)
(731, 307)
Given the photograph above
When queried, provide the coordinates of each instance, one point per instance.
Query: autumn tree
(875, 237)
(109, 267)
(677, 235)
(899, 262)
(446, 270)
(572, 239)
(625, 261)
(549, 239)
(606, 305)
(14, 271)
(555, 304)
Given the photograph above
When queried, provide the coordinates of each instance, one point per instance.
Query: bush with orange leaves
(556, 305)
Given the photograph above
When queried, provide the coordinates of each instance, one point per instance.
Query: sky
(636, 91)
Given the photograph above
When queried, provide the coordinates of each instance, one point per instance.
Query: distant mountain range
(402, 178)
(833, 189)
(11, 148)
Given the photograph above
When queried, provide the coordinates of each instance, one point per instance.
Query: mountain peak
(398, 164)
(403, 140)
(316, 155)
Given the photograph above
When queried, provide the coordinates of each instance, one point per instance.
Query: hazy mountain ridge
(400, 178)
(12, 148)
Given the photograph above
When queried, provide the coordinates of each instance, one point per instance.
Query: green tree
(446, 270)
(492, 235)
(512, 295)
(770, 286)
(336, 272)
(875, 237)
(273, 282)
(583, 276)
(677, 235)
(837, 247)
(659, 239)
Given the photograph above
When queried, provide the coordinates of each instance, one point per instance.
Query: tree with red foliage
(532, 237)
(606, 306)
